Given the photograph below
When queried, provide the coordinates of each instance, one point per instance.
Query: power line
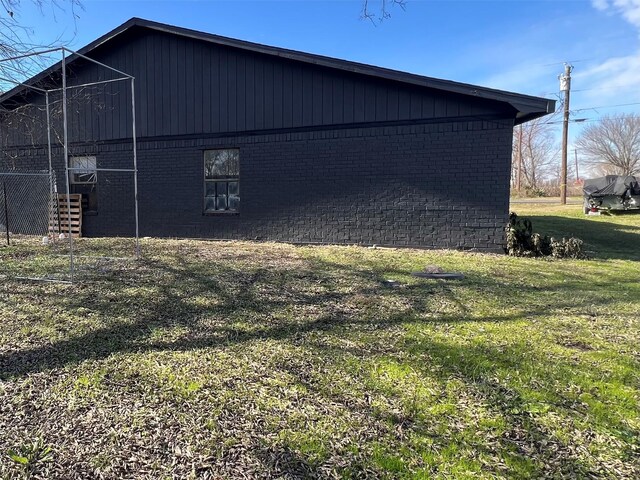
(606, 106)
(566, 62)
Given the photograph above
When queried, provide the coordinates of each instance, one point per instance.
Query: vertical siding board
(259, 93)
(416, 105)
(197, 87)
(109, 105)
(317, 97)
(213, 94)
(464, 109)
(369, 102)
(381, 102)
(359, 94)
(429, 107)
(452, 107)
(268, 95)
(131, 70)
(160, 126)
(278, 84)
(232, 86)
(124, 92)
(305, 107)
(223, 92)
(189, 105)
(298, 96)
(392, 103)
(287, 95)
(182, 86)
(246, 94)
(82, 108)
(440, 107)
(337, 89)
(348, 101)
(404, 104)
(149, 111)
(172, 115)
(327, 98)
(99, 108)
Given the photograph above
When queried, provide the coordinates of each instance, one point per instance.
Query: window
(84, 181)
(221, 180)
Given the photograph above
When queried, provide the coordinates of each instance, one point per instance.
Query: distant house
(238, 140)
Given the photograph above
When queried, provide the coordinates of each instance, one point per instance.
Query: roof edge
(527, 107)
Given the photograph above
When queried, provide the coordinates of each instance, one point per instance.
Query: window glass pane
(210, 189)
(209, 204)
(221, 163)
(233, 188)
(221, 188)
(86, 163)
(221, 202)
(87, 174)
(234, 202)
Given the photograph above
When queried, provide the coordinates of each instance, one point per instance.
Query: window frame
(94, 171)
(227, 178)
(92, 185)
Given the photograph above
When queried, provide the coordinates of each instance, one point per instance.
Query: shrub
(535, 192)
(522, 242)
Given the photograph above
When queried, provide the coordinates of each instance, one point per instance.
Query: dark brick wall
(438, 185)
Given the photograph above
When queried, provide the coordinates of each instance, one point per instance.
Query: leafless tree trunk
(612, 146)
(539, 149)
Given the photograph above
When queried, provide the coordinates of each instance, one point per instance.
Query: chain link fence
(26, 205)
(41, 234)
(29, 225)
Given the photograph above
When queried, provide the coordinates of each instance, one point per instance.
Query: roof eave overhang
(526, 107)
(527, 112)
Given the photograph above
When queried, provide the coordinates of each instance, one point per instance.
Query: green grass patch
(239, 359)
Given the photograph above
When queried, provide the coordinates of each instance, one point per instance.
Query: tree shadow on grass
(251, 306)
(128, 320)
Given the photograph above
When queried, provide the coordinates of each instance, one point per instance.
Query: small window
(83, 179)
(221, 180)
(83, 171)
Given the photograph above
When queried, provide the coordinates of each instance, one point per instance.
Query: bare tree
(536, 143)
(16, 39)
(612, 146)
(381, 9)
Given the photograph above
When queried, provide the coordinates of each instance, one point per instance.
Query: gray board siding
(186, 86)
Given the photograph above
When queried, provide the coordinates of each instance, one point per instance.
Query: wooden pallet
(59, 221)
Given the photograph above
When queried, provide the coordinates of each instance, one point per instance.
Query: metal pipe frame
(90, 84)
(66, 160)
(64, 60)
(32, 54)
(20, 174)
(17, 83)
(51, 192)
(96, 62)
(78, 169)
(72, 54)
(135, 161)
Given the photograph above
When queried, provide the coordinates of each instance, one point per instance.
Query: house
(238, 140)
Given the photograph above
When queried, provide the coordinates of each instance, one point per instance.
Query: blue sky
(510, 44)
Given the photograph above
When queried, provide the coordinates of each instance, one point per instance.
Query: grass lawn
(254, 360)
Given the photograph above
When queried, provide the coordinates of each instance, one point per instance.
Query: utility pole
(519, 177)
(565, 86)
